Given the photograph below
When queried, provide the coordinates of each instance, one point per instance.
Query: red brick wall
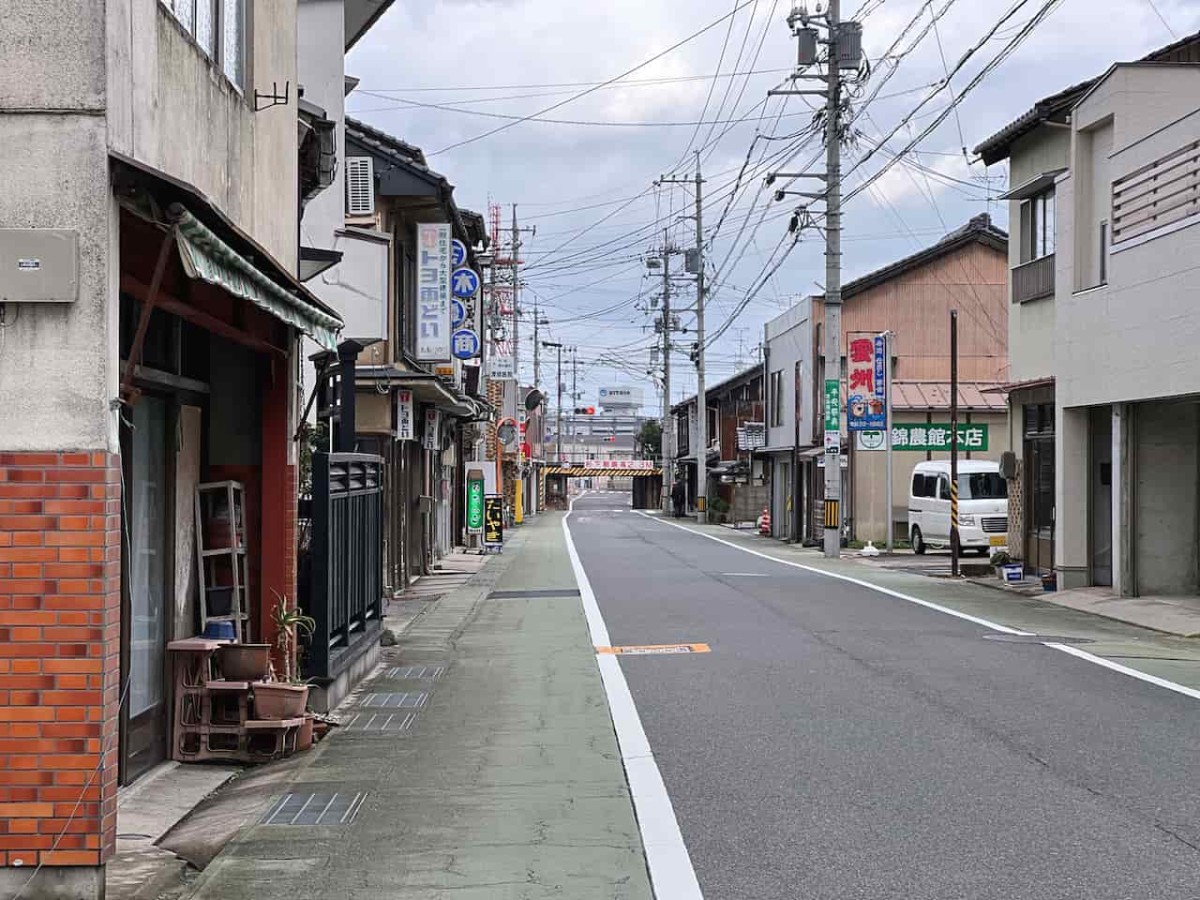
(60, 627)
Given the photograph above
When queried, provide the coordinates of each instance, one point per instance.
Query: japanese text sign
(866, 405)
(404, 416)
(433, 292)
(475, 490)
(937, 437)
(433, 419)
(493, 519)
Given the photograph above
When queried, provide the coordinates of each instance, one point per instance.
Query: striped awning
(581, 472)
(208, 258)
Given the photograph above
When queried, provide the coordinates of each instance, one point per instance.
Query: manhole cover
(379, 723)
(336, 808)
(400, 700)
(431, 672)
(515, 595)
(1036, 639)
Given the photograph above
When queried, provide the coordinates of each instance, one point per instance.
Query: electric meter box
(39, 265)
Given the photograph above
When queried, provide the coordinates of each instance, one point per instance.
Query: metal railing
(347, 558)
(1034, 279)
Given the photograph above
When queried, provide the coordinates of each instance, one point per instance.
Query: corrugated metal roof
(933, 395)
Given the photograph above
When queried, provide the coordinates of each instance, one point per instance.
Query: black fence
(345, 585)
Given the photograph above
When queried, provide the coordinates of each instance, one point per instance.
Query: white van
(982, 506)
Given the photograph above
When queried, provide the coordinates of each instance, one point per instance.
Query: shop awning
(425, 386)
(208, 258)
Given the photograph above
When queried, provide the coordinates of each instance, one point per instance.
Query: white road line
(1125, 670)
(671, 872)
(1065, 648)
(745, 575)
(995, 626)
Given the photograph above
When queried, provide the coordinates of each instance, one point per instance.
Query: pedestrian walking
(678, 496)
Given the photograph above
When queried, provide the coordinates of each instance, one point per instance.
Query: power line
(627, 82)
(591, 90)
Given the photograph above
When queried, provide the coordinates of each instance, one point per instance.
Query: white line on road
(995, 626)
(1065, 648)
(745, 575)
(671, 872)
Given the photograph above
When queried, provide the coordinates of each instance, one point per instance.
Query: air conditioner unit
(360, 186)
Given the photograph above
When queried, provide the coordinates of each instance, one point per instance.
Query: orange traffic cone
(764, 522)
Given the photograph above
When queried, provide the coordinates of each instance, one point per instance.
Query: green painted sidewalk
(507, 783)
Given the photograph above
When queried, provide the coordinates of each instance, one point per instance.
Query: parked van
(982, 506)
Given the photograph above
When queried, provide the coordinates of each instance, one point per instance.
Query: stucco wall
(174, 110)
(52, 95)
(320, 37)
(1167, 437)
(789, 340)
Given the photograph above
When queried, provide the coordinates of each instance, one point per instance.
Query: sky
(441, 74)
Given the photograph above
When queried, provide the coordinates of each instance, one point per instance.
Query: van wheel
(918, 542)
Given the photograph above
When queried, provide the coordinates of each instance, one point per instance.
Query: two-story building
(1105, 185)
(150, 315)
(911, 298)
(736, 490)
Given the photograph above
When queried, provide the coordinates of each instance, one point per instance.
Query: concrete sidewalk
(1164, 655)
(480, 762)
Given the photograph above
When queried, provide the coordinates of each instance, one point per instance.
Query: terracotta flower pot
(275, 700)
(304, 737)
(244, 662)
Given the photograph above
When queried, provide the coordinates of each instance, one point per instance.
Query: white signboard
(870, 440)
(433, 292)
(404, 416)
(620, 396)
(432, 420)
(501, 366)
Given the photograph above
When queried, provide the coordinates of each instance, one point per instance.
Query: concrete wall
(1167, 437)
(321, 69)
(789, 340)
(165, 95)
(1031, 324)
(1142, 325)
(357, 287)
(52, 102)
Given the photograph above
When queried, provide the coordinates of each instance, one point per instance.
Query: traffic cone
(764, 523)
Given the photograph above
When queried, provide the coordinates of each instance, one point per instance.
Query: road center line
(1064, 648)
(671, 872)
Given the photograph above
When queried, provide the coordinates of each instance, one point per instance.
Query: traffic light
(585, 410)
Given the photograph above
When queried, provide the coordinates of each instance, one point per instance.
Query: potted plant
(244, 662)
(1006, 569)
(284, 697)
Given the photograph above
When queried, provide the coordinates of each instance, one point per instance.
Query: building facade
(161, 324)
(1101, 210)
(911, 298)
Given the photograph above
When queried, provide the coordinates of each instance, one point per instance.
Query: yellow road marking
(648, 649)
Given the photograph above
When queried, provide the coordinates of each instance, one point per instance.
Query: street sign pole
(887, 411)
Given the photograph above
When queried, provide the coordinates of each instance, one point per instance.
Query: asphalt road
(841, 743)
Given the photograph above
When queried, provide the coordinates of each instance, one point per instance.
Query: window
(1104, 252)
(943, 487)
(219, 29)
(982, 486)
(918, 485)
(776, 399)
(1037, 226)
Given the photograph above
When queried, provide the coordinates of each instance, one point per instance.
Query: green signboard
(937, 437)
(833, 405)
(474, 502)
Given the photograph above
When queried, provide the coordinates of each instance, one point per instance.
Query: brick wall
(60, 607)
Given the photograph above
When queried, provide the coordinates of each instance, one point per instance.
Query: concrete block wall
(60, 604)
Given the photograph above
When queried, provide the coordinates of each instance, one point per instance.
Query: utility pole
(954, 536)
(516, 313)
(574, 395)
(537, 358)
(701, 398)
(668, 425)
(833, 288)
(698, 358)
(558, 426)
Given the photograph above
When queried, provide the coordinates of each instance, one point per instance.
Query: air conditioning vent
(360, 186)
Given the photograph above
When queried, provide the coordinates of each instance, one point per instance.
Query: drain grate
(337, 808)
(431, 672)
(549, 592)
(1036, 639)
(399, 700)
(379, 723)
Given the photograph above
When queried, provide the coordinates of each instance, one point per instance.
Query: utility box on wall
(39, 265)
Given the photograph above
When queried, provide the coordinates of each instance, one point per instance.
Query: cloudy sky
(442, 73)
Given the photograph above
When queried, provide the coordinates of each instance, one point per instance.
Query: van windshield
(982, 486)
